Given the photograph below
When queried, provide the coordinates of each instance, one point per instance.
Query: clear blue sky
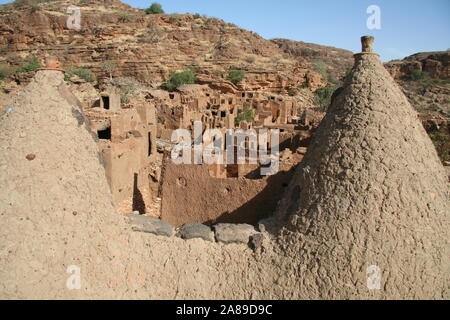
(407, 26)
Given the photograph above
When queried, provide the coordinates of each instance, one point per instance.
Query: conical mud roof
(370, 198)
(54, 202)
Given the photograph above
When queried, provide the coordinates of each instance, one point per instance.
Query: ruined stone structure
(127, 142)
(221, 194)
(219, 110)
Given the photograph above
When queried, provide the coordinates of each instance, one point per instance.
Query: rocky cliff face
(436, 64)
(147, 47)
(337, 61)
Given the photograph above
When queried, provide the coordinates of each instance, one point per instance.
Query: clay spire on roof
(370, 192)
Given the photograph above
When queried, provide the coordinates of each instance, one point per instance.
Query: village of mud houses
(149, 152)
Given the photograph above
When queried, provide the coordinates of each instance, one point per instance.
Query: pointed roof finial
(367, 47)
(367, 43)
(51, 63)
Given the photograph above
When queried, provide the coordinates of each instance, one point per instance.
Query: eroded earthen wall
(190, 194)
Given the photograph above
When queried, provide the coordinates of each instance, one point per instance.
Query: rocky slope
(146, 47)
(338, 61)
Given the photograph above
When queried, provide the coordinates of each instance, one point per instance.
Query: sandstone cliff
(147, 47)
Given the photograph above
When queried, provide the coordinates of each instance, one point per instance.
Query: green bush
(320, 67)
(323, 96)
(236, 76)
(124, 18)
(175, 16)
(177, 79)
(418, 75)
(32, 66)
(153, 35)
(155, 8)
(292, 92)
(246, 115)
(34, 8)
(5, 71)
(127, 87)
(305, 85)
(83, 73)
(442, 142)
(197, 16)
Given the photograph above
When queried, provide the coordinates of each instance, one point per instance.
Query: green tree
(236, 76)
(246, 115)
(155, 8)
(127, 87)
(110, 67)
(177, 79)
(323, 95)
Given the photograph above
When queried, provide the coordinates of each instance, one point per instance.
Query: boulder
(150, 225)
(234, 233)
(196, 231)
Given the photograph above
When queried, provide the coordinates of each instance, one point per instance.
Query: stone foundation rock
(196, 231)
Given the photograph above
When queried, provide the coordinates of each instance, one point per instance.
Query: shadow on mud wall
(263, 205)
(138, 199)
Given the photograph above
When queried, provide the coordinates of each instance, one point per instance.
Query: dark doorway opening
(138, 199)
(105, 100)
(104, 134)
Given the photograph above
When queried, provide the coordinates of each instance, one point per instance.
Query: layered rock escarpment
(436, 64)
(147, 47)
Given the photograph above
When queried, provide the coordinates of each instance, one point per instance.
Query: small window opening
(104, 134)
